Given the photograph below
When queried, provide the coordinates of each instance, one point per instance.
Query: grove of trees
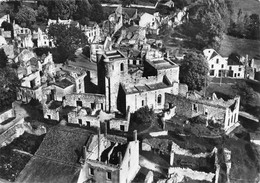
(245, 26)
(8, 82)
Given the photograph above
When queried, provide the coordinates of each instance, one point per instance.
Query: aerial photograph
(129, 91)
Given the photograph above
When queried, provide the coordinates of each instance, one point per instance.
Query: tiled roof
(63, 144)
(213, 55)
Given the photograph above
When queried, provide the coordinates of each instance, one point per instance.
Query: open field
(249, 6)
(242, 46)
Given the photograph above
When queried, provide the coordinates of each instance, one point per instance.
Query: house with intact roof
(220, 66)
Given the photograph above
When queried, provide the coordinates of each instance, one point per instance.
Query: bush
(143, 115)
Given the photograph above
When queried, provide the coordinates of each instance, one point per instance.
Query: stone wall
(6, 115)
(194, 175)
(130, 164)
(87, 99)
(85, 120)
(119, 124)
(149, 98)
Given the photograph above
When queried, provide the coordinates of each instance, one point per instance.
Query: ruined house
(92, 31)
(33, 73)
(108, 158)
(22, 36)
(41, 39)
(220, 111)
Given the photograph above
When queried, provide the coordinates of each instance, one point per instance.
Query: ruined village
(120, 91)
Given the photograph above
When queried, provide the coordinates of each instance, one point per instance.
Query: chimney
(120, 158)
(128, 114)
(99, 55)
(84, 152)
(105, 129)
(135, 135)
(172, 156)
(99, 143)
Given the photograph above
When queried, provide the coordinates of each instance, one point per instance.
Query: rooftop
(63, 144)
(45, 170)
(55, 104)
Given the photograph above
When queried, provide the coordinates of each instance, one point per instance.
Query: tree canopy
(67, 40)
(3, 59)
(194, 71)
(206, 25)
(26, 15)
(143, 115)
(43, 13)
(61, 9)
(8, 83)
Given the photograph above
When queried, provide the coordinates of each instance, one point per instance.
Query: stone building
(92, 31)
(108, 158)
(33, 73)
(22, 36)
(220, 111)
(42, 39)
(234, 66)
(125, 89)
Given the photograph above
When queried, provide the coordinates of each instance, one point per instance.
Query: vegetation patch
(12, 161)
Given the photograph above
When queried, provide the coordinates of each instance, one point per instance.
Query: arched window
(159, 99)
(121, 67)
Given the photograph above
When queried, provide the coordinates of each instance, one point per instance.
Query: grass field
(242, 46)
(248, 6)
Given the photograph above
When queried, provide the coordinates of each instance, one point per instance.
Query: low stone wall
(6, 115)
(17, 130)
(194, 175)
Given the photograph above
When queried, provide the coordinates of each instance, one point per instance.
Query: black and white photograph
(129, 91)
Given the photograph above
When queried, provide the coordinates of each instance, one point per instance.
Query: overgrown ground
(12, 161)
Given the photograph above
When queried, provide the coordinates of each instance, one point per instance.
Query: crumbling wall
(53, 114)
(6, 115)
(87, 99)
(119, 124)
(194, 175)
(85, 120)
(17, 130)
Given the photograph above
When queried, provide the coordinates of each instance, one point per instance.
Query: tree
(143, 115)
(126, 3)
(7, 26)
(26, 15)
(86, 51)
(194, 71)
(83, 9)
(97, 13)
(254, 27)
(42, 13)
(61, 9)
(206, 24)
(67, 40)
(3, 59)
(8, 83)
